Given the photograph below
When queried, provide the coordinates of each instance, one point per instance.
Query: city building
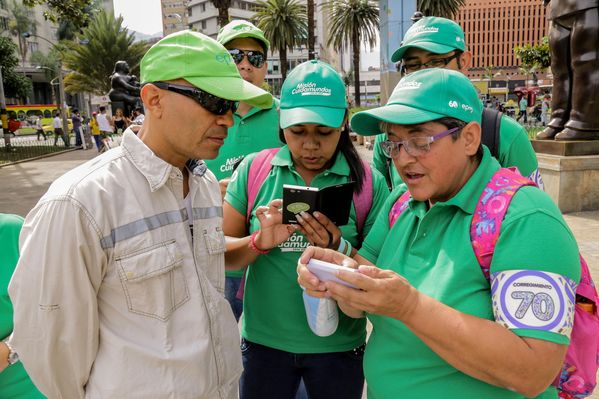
(174, 16)
(493, 28)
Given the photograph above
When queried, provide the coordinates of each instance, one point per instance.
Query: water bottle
(322, 315)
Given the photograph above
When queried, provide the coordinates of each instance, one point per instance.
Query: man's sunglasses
(212, 103)
(255, 58)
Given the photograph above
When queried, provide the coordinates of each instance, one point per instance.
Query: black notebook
(333, 201)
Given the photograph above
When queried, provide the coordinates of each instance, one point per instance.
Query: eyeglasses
(255, 58)
(212, 103)
(416, 146)
(436, 63)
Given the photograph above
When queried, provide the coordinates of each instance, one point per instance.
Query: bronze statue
(574, 45)
(125, 87)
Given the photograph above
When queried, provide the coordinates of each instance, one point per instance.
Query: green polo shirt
(253, 132)
(14, 381)
(273, 308)
(431, 248)
(515, 149)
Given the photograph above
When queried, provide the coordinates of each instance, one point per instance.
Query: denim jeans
(272, 373)
(231, 288)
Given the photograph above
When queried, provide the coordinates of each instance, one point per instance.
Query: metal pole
(63, 113)
(3, 116)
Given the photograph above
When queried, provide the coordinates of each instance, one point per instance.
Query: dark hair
(451, 123)
(346, 147)
(102, 108)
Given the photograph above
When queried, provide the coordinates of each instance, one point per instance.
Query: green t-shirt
(515, 149)
(273, 307)
(253, 132)
(14, 382)
(396, 360)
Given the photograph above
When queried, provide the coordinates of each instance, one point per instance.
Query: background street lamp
(61, 95)
(3, 119)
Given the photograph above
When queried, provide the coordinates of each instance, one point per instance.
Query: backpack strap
(259, 169)
(491, 126)
(363, 200)
(490, 211)
(398, 207)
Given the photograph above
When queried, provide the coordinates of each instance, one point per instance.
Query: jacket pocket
(153, 280)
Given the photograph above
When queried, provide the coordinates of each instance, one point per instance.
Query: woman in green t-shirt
(14, 382)
(279, 348)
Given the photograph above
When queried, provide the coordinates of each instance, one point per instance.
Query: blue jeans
(78, 142)
(271, 373)
(231, 288)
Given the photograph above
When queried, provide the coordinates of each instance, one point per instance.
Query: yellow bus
(27, 115)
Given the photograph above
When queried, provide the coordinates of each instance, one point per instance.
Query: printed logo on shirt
(533, 299)
(311, 89)
(295, 243)
(230, 163)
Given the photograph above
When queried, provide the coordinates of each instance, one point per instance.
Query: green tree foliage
(535, 56)
(223, 11)
(78, 12)
(285, 25)
(440, 8)
(15, 84)
(352, 23)
(22, 21)
(93, 63)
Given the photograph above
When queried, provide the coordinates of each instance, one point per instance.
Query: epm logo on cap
(242, 27)
(310, 89)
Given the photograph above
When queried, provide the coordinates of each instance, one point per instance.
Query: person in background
(279, 348)
(14, 382)
(444, 325)
(130, 302)
(38, 128)
(13, 125)
(120, 121)
(95, 129)
(59, 131)
(435, 42)
(253, 129)
(105, 123)
(523, 105)
(76, 118)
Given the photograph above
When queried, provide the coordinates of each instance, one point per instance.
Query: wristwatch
(13, 357)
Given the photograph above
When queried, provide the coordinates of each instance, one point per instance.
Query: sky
(140, 15)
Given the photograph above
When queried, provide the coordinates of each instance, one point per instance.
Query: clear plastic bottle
(322, 315)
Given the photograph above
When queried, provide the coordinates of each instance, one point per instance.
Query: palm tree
(353, 22)
(22, 22)
(93, 63)
(440, 8)
(311, 38)
(284, 23)
(223, 11)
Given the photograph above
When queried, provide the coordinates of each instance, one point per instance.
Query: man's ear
(465, 61)
(471, 136)
(152, 99)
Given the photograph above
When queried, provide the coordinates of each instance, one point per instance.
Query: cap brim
(435, 48)
(366, 123)
(326, 116)
(235, 89)
(251, 36)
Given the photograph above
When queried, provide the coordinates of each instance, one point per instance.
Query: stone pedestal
(570, 171)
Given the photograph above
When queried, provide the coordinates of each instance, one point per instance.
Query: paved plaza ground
(24, 183)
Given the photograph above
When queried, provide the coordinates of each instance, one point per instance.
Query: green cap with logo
(203, 62)
(434, 34)
(313, 93)
(239, 29)
(424, 96)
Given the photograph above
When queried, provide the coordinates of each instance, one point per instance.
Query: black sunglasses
(255, 58)
(212, 103)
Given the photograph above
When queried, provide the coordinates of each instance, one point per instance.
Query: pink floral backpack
(578, 376)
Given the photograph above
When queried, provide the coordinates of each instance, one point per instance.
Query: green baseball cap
(434, 34)
(238, 29)
(313, 93)
(203, 62)
(424, 96)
